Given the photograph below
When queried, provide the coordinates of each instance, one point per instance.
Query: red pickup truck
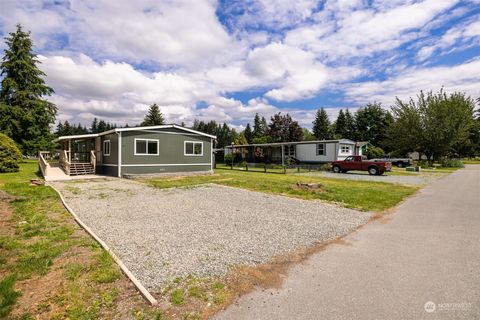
(361, 163)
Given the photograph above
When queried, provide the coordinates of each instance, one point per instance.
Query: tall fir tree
(248, 133)
(322, 128)
(154, 117)
(24, 113)
(350, 131)
(94, 126)
(340, 128)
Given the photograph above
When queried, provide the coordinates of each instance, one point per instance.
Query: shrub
(423, 164)
(10, 155)
(375, 152)
(451, 163)
(228, 158)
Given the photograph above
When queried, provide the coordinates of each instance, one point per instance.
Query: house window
(146, 147)
(106, 147)
(192, 148)
(289, 151)
(345, 149)
(321, 149)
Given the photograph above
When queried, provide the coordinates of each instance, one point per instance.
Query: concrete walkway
(427, 251)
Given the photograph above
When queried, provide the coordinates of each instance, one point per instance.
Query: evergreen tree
(154, 117)
(102, 126)
(340, 126)
(24, 115)
(322, 129)
(67, 129)
(94, 126)
(59, 130)
(350, 131)
(248, 133)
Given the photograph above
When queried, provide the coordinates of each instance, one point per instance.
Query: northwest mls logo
(430, 306)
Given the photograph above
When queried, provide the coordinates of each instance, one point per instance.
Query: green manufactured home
(137, 150)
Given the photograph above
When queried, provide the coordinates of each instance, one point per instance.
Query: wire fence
(273, 168)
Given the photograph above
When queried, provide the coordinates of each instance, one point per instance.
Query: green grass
(106, 270)
(8, 296)
(177, 297)
(362, 195)
(43, 231)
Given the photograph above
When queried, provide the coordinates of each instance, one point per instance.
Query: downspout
(119, 166)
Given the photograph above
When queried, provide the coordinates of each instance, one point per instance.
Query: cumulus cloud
(464, 77)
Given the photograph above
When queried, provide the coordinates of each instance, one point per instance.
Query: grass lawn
(471, 161)
(49, 267)
(362, 195)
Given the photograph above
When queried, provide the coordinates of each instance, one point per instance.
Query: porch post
(283, 155)
(69, 150)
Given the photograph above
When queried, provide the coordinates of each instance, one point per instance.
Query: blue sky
(227, 60)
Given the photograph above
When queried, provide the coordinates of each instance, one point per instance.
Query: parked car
(361, 163)
(399, 162)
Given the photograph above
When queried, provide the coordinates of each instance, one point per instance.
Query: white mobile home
(320, 151)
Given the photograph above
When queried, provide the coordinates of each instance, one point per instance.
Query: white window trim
(324, 150)
(345, 147)
(109, 148)
(146, 150)
(193, 154)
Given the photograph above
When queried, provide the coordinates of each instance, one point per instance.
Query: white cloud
(295, 73)
(458, 37)
(463, 77)
(349, 29)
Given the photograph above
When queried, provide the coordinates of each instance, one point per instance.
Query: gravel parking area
(203, 230)
(414, 179)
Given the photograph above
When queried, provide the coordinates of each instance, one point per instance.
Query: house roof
(346, 141)
(165, 126)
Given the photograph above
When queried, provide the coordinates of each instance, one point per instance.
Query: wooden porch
(75, 157)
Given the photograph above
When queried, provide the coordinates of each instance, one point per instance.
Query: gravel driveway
(203, 230)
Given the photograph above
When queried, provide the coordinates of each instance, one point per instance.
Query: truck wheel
(336, 169)
(373, 171)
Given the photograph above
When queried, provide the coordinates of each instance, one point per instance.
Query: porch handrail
(64, 163)
(93, 160)
(42, 163)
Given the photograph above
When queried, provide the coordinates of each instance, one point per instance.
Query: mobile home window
(106, 147)
(289, 151)
(321, 149)
(146, 147)
(193, 148)
(345, 149)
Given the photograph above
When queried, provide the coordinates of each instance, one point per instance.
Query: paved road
(428, 251)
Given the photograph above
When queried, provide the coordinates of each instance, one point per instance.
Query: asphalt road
(428, 250)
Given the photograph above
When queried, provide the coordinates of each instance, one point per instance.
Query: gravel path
(414, 179)
(203, 230)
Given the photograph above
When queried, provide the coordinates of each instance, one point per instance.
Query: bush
(375, 152)
(451, 163)
(423, 164)
(10, 155)
(228, 158)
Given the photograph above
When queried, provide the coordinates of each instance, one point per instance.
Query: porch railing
(42, 162)
(64, 163)
(93, 160)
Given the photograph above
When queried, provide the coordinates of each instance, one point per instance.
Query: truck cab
(361, 163)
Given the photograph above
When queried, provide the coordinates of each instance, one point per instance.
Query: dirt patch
(243, 280)
(313, 187)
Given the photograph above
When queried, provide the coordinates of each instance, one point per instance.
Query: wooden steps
(80, 168)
